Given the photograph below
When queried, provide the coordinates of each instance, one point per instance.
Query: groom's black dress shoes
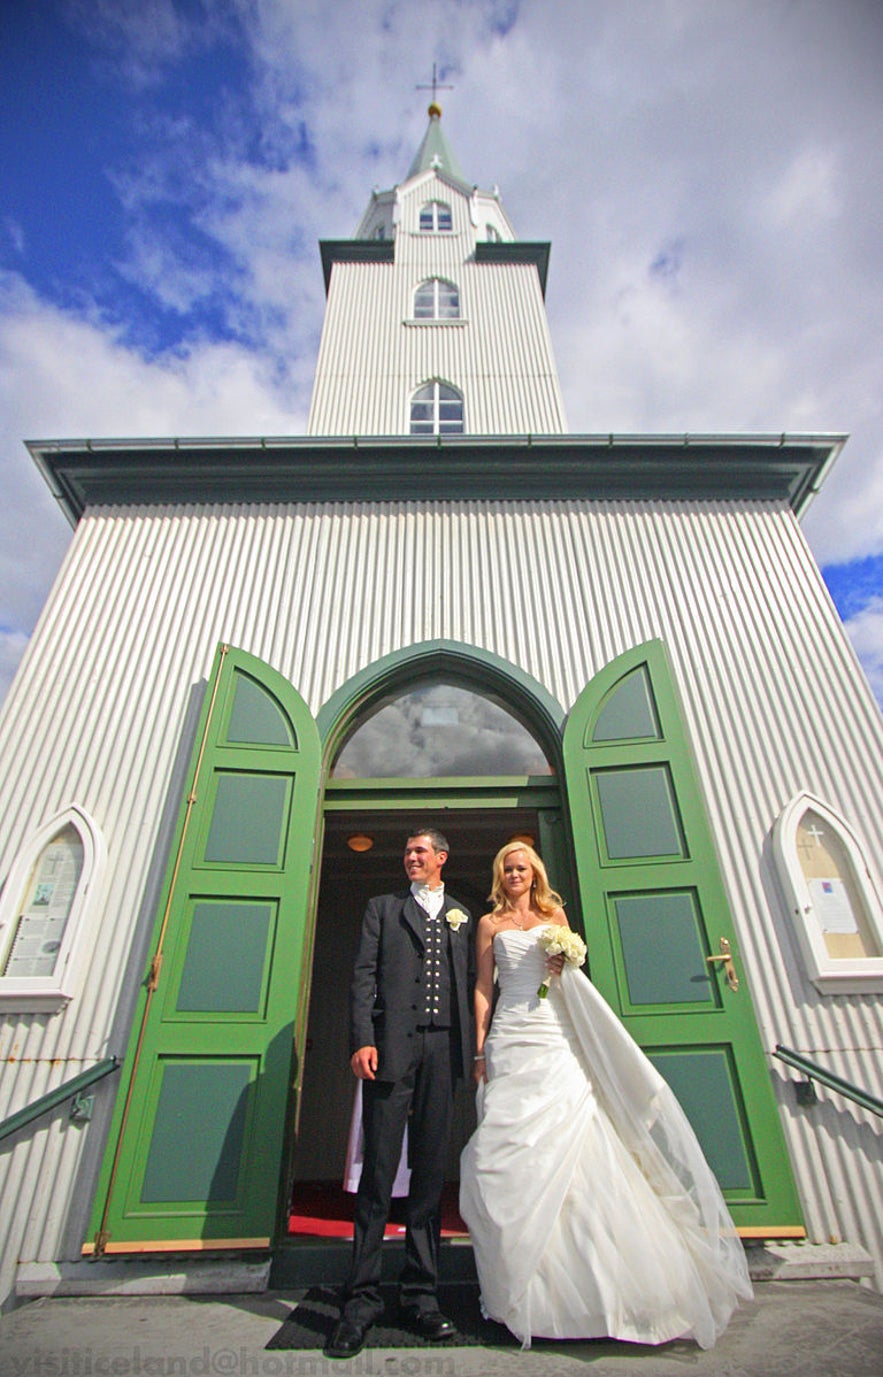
(429, 1324)
(346, 1339)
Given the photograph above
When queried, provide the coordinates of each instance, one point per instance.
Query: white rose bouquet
(561, 941)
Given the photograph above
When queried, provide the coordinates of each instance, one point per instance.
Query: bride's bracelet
(481, 1057)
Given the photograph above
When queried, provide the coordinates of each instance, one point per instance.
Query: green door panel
(248, 819)
(655, 911)
(196, 1145)
(638, 813)
(628, 711)
(227, 959)
(707, 1085)
(202, 1107)
(663, 946)
(256, 717)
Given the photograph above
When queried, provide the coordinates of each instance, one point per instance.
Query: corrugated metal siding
(775, 700)
(373, 355)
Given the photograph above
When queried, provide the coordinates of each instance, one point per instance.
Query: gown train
(591, 1209)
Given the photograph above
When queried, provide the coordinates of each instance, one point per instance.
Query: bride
(589, 1204)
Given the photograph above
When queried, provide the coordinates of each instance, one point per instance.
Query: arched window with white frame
(437, 299)
(42, 910)
(436, 218)
(436, 409)
(835, 902)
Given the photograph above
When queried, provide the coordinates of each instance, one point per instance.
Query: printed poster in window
(48, 902)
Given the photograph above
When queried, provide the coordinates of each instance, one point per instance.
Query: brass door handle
(727, 958)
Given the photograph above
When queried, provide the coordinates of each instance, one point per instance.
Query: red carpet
(322, 1209)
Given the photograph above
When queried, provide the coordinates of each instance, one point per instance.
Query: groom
(411, 1036)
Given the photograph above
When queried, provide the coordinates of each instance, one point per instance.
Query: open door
(662, 945)
(196, 1142)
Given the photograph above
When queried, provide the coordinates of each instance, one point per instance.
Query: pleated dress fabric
(590, 1206)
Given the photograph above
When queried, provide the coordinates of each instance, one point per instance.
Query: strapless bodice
(521, 964)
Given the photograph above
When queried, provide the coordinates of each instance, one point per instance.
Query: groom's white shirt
(432, 901)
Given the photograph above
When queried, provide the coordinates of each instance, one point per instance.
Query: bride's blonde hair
(542, 897)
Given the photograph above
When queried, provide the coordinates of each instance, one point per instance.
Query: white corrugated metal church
(264, 661)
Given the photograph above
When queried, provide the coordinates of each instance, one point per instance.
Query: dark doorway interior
(348, 879)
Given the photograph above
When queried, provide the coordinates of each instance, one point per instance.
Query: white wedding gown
(589, 1204)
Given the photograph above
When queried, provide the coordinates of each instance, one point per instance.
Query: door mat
(310, 1323)
(323, 1209)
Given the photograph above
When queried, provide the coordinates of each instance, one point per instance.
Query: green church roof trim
(779, 468)
(383, 251)
(354, 251)
(517, 251)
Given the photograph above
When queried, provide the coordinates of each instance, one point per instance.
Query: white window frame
(47, 992)
(436, 384)
(435, 228)
(830, 975)
(437, 287)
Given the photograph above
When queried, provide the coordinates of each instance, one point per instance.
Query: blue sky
(709, 175)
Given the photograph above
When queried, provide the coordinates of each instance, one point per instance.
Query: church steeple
(435, 323)
(435, 151)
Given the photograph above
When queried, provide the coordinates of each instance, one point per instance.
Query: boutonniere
(455, 917)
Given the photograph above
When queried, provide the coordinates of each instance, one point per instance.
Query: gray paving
(798, 1328)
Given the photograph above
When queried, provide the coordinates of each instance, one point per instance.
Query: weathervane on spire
(434, 108)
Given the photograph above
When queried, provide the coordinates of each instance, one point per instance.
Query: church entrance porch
(239, 1048)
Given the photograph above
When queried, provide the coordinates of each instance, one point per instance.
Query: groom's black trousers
(426, 1092)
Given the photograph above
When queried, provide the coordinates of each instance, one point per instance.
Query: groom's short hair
(438, 839)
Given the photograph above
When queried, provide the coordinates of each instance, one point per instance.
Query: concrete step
(313, 1262)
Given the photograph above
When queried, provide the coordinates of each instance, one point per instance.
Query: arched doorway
(440, 736)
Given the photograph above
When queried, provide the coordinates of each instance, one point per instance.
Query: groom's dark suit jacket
(387, 989)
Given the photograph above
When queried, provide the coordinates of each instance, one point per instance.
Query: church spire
(435, 151)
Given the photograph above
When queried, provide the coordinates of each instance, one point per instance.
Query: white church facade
(263, 660)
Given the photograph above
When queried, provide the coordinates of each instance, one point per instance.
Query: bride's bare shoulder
(487, 926)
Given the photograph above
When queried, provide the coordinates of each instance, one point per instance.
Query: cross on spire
(435, 87)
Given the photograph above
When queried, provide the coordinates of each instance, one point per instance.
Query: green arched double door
(661, 938)
(199, 1133)
(196, 1142)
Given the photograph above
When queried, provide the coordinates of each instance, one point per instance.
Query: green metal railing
(53, 1098)
(814, 1072)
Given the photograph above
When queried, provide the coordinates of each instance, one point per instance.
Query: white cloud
(808, 189)
(865, 630)
(144, 36)
(13, 645)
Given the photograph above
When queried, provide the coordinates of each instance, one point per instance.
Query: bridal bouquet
(561, 941)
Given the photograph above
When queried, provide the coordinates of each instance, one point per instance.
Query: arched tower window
(835, 905)
(492, 234)
(42, 910)
(436, 216)
(437, 299)
(436, 409)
